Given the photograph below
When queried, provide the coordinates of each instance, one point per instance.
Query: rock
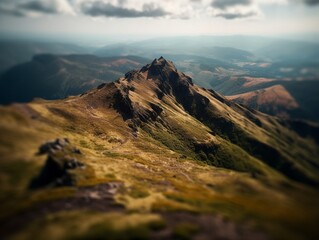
(57, 147)
(131, 74)
(60, 161)
(59, 144)
(52, 174)
(101, 86)
(56, 173)
(62, 142)
(76, 151)
(45, 148)
(72, 164)
(51, 146)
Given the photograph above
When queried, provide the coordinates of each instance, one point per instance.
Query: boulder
(58, 166)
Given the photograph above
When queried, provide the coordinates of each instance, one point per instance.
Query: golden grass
(155, 178)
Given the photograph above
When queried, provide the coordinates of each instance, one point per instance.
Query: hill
(288, 99)
(154, 156)
(57, 76)
(274, 100)
(14, 52)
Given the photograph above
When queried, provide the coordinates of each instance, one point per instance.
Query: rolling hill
(155, 156)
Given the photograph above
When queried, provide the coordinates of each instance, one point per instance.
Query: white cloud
(174, 9)
(32, 8)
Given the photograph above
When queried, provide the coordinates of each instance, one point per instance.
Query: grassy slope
(155, 178)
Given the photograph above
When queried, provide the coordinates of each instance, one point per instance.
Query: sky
(138, 19)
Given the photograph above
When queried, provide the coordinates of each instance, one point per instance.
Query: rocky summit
(156, 157)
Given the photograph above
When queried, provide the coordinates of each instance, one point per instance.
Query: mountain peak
(164, 71)
(162, 62)
(137, 96)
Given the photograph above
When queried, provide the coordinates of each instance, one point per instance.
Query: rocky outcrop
(60, 162)
(133, 111)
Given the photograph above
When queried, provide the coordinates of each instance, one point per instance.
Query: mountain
(154, 156)
(15, 52)
(57, 76)
(289, 99)
(235, 65)
(293, 51)
(293, 99)
(143, 96)
(274, 100)
(227, 47)
(228, 54)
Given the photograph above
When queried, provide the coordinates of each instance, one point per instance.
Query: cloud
(306, 2)
(100, 8)
(36, 7)
(39, 6)
(311, 2)
(230, 16)
(223, 4)
(11, 11)
(172, 9)
(235, 9)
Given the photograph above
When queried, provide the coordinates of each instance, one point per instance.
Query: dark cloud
(120, 9)
(223, 4)
(231, 16)
(38, 6)
(12, 12)
(23, 8)
(311, 2)
(100, 8)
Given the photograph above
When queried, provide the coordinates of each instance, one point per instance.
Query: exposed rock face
(169, 81)
(59, 163)
(133, 111)
(123, 104)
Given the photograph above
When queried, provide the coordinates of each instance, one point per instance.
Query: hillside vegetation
(154, 156)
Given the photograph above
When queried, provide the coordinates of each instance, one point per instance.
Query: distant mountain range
(225, 47)
(15, 52)
(250, 70)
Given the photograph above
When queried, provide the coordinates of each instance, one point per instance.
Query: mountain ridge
(142, 97)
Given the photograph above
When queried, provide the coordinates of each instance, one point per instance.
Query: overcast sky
(152, 18)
